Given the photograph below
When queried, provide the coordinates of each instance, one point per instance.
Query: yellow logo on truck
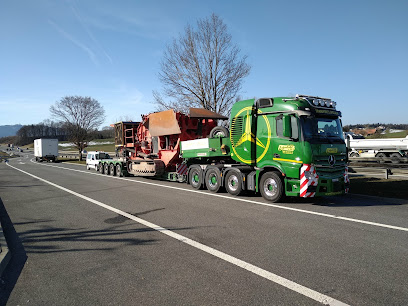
(286, 149)
(249, 136)
(331, 150)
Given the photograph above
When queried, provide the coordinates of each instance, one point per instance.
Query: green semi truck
(284, 146)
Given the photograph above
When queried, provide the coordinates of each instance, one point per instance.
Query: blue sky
(355, 52)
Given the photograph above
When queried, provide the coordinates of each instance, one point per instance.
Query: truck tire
(395, 158)
(106, 168)
(194, 177)
(271, 187)
(112, 169)
(213, 179)
(219, 131)
(119, 170)
(101, 168)
(381, 157)
(233, 182)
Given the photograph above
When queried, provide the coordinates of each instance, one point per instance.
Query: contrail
(83, 24)
(90, 53)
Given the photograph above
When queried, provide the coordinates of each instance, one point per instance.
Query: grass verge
(75, 161)
(390, 188)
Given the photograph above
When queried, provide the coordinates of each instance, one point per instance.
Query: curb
(5, 254)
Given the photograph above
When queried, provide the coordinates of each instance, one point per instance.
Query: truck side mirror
(287, 127)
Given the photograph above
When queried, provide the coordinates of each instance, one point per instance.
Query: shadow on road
(18, 256)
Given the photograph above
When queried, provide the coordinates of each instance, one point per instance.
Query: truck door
(286, 147)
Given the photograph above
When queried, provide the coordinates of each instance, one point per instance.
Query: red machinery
(152, 147)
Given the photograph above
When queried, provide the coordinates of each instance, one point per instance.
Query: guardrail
(379, 159)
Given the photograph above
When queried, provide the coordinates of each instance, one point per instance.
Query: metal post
(387, 173)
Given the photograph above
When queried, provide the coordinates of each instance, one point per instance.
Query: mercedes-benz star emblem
(332, 160)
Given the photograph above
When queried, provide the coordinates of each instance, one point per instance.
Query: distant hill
(9, 130)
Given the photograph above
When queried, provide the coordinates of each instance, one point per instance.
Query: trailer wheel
(395, 158)
(271, 187)
(112, 169)
(119, 170)
(213, 179)
(381, 157)
(219, 131)
(194, 177)
(233, 182)
(106, 168)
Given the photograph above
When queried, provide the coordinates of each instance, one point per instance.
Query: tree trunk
(80, 155)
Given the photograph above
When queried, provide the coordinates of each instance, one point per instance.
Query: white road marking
(317, 296)
(247, 201)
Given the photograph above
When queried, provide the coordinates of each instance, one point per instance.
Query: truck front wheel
(271, 187)
(101, 168)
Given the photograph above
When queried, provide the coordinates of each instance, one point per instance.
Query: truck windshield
(322, 129)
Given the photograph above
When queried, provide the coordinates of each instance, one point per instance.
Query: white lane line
(317, 296)
(247, 201)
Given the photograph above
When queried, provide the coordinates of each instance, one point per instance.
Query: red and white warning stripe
(181, 169)
(308, 177)
(346, 179)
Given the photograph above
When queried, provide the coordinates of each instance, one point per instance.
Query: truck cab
(93, 158)
(300, 139)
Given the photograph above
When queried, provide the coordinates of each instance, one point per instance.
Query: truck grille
(322, 165)
(236, 129)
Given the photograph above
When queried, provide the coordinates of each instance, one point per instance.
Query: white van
(93, 158)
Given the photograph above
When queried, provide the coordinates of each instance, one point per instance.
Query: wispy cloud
(81, 20)
(68, 36)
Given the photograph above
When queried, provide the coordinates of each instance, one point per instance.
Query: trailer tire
(271, 187)
(112, 169)
(106, 168)
(119, 170)
(219, 131)
(395, 158)
(233, 182)
(213, 179)
(194, 177)
(381, 157)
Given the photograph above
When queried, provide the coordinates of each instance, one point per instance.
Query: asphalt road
(80, 238)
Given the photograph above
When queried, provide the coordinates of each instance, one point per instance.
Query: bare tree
(202, 68)
(80, 115)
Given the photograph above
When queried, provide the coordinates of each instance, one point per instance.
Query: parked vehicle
(383, 149)
(93, 158)
(284, 146)
(46, 149)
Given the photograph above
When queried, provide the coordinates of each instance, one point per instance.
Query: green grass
(96, 147)
(75, 161)
(390, 188)
(402, 134)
